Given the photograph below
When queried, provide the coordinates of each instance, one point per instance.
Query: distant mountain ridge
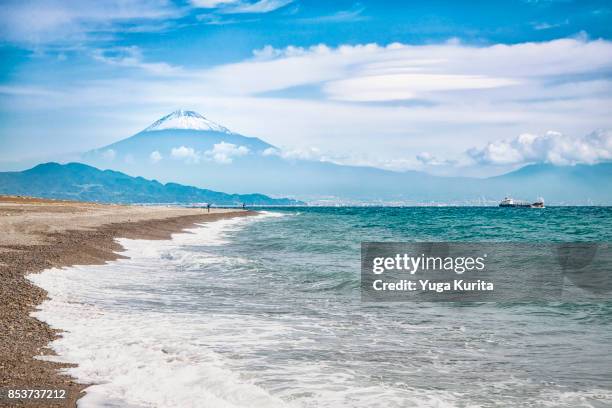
(77, 181)
(186, 147)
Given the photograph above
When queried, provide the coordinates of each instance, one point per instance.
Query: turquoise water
(268, 308)
(307, 267)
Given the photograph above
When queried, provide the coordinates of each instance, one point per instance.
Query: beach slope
(36, 234)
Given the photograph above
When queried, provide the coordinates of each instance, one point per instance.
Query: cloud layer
(240, 6)
(155, 157)
(39, 22)
(551, 147)
(372, 72)
(225, 153)
(222, 153)
(46, 21)
(367, 104)
(187, 154)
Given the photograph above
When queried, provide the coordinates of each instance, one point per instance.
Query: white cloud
(342, 16)
(310, 153)
(46, 21)
(33, 91)
(261, 6)
(214, 19)
(429, 159)
(241, 6)
(225, 153)
(132, 57)
(271, 151)
(187, 154)
(371, 72)
(551, 147)
(389, 87)
(351, 158)
(211, 3)
(547, 26)
(109, 154)
(155, 157)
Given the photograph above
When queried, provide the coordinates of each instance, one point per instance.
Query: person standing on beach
(208, 207)
(243, 206)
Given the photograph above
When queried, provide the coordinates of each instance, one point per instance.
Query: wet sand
(36, 234)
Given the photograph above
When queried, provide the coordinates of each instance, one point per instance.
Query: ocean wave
(136, 356)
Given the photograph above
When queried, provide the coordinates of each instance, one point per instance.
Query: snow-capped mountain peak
(184, 119)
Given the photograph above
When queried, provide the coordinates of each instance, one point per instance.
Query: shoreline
(42, 234)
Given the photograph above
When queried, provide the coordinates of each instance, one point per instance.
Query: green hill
(76, 181)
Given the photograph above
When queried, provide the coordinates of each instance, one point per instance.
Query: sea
(265, 311)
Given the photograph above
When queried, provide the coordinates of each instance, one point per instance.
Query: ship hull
(521, 205)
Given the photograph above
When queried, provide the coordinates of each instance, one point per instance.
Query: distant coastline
(81, 182)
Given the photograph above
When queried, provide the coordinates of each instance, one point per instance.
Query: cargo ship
(510, 202)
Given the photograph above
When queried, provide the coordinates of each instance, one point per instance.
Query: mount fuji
(180, 129)
(186, 147)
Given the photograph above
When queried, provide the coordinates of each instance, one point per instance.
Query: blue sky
(446, 87)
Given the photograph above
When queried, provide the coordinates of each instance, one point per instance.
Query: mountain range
(76, 181)
(187, 148)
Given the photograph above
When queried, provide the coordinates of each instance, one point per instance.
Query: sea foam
(138, 356)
